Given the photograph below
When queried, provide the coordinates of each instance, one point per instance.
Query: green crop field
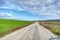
(52, 25)
(7, 26)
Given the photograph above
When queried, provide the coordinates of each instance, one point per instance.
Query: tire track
(36, 35)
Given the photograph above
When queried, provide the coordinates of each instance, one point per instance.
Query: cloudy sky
(30, 9)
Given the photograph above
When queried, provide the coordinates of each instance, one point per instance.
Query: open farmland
(7, 25)
(53, 25)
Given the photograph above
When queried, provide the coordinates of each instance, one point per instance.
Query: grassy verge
(7, 26)
(54, 26)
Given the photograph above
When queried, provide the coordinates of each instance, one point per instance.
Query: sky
(30, 9)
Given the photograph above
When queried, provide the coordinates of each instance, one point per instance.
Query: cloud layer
(49, 9)
(7, 4)
(43, 9)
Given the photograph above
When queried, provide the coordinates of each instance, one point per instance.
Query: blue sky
(30, 9)
(20, 15)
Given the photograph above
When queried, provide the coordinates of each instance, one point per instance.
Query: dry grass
(52, 25)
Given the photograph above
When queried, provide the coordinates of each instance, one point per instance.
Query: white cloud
(8, 15)
(2, 14)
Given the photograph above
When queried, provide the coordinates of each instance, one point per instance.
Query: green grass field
(7, 26)
(52, 25)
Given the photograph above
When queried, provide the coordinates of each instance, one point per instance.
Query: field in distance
(8, 25)
(52, 25)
